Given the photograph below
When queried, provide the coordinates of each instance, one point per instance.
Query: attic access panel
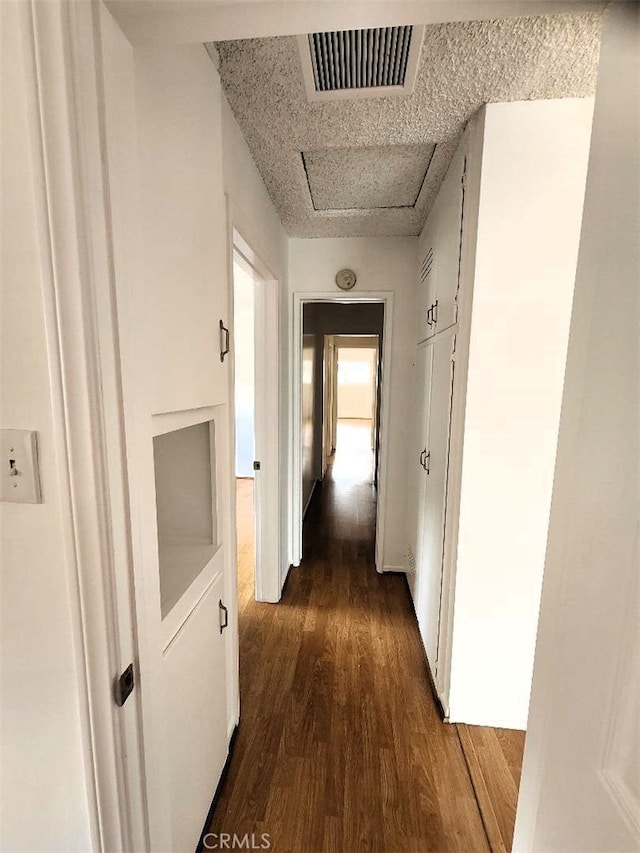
(374, 178)
(373, 63)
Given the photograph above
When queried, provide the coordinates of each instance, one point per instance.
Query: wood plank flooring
(340, 747)
(494, 758)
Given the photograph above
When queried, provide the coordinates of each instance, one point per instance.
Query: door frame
(299, 300)
(268, 581)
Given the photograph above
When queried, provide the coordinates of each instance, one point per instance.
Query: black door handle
(224, 624)
(224, 347)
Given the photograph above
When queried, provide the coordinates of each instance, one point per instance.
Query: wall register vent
(426, 266)
(373, 63)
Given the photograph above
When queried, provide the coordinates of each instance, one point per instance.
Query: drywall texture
(462, 66)
(382, 264)
(534, 165)
(580, 771)
(43, 791)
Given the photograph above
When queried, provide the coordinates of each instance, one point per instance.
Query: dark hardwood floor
(340, 747)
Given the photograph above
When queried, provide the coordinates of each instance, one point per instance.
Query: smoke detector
(375, 63)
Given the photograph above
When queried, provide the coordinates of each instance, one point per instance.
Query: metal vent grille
(427, 266)
(360, 59)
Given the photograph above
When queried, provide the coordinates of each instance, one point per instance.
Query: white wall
(355, 399)
(381, 264)
(243, 311)
(252, 212)
(580, 772)
(531, 195)
(43, 793)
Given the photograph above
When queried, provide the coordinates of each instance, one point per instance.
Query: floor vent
(377, 62)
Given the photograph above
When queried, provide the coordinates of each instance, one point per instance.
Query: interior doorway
(351, 399)
(341, 352)
(256, 413)
(245, 281)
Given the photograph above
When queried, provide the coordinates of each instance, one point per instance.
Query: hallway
(340, 747)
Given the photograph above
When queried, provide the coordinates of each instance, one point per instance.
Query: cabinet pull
(222, 609)
(224, 336)
(423, 453)
(434, 312)
(429, 319)
(427, 460)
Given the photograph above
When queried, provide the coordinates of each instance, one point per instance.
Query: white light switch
(20, 474)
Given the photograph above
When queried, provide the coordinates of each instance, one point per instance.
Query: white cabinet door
(194, 675)
(437, 465)
(448, 230)
(417, 467)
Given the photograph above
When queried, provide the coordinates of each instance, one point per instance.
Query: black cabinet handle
(423, 453)
(224, 335)
(434, 312)
(429, 320)
(222, 608)
(427, 458)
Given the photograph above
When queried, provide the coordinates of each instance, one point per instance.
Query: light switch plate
(20, 475)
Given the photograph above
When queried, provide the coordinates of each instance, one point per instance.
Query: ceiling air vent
(373, 63)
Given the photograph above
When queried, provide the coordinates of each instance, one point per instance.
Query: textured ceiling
(357, 167)
(381, 176)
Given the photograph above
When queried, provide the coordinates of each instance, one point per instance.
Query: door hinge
(256, 465)
(123, 686)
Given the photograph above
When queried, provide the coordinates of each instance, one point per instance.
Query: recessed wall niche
(184, 462)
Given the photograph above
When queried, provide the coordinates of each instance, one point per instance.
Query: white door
(171, 281)
(437, 465)
(424, 360)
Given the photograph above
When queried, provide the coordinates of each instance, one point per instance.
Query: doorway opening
(341, 360)
(351, 405)
(245, 281)
(255, 297)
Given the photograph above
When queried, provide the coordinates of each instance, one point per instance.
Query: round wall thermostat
(345, 279)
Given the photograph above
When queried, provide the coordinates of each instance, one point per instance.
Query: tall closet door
(433, 511)
(418, 463)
